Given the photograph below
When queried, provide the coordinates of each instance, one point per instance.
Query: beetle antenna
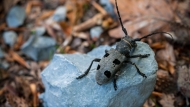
(138, 39)
(124, 30)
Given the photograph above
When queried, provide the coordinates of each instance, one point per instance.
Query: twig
(96, 20)
(99, 8)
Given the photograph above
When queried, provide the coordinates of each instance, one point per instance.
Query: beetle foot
(145, 55)
(81, 76)
(143, 75)
(115, 85)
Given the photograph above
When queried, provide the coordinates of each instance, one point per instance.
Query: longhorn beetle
(113, 59)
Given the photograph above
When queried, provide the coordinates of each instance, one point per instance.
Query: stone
(60, 14)
(62, 89)
(39, 47)
(4, 64)
(96, 31)
(10, 37)
(40, 30)
(108, 6)
(16, 16)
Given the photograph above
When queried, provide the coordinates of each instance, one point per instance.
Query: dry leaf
(149, 103)
(19, 59)
(96, 20)
(67, 29)
(30, 4)
(14, 101)
(139, 15)
(2, 26)
(45, 15)
(158, 45)
(165, 83)
(50, 30)
(183, 80)
(162, 64)
(157, 94)
(167, 100)
(19, 42)
(21, 83)
(171, 69)
(34, 92)
(167, 54)
(99, 8)
(81, 35)
(43, 64)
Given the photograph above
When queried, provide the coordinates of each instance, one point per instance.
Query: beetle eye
(107, 74)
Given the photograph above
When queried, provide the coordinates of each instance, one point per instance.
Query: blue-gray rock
(10, 37)
(39, 47)
(60, 14)
(1, 53)
(108, 7)
(96, 31)
(39, 31)
(4, 64)
(62, 89)
(16, 16)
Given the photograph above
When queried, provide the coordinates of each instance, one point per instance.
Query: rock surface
(39, 31)
(16, 16)
(96, 31)
(39, 47)
(64, 90)
(10, 37)
(60, 14)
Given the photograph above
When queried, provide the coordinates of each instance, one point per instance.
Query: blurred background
(32, 31)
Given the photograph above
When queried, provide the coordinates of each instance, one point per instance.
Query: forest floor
(31, 31)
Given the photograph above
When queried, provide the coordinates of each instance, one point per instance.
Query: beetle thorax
(125, 45)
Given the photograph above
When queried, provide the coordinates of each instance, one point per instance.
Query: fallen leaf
(165, 83)
(81, 35)
(158, 45)
(2, 26)
(34, 92)
(50, 30)
(167, 100)
(139, 15)
(43, 64)
(67, 29)
(99, 8)
(96, 20)
(157, 94)
(183, 80)
(45, 14)
(30, 4)
(167, 54)
(14, 101)
(162, 65)
(19, 42)
(171, 69)
(19, 59)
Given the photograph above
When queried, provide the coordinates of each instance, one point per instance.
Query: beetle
(113, 59)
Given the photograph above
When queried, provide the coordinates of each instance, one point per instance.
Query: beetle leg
(139, 55)
(86, 72)
(114, 81)
(106, 51)
(142, 74)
